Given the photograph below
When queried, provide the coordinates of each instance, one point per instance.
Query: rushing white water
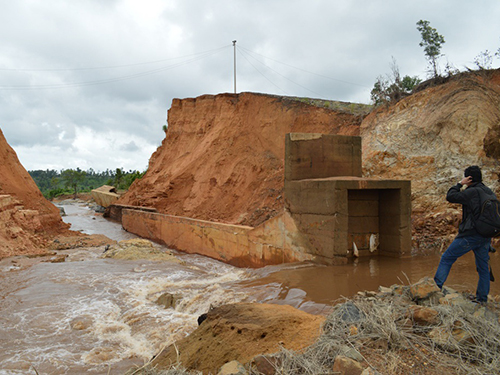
(90, 315)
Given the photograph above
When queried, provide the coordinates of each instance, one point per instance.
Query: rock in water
(136, 249)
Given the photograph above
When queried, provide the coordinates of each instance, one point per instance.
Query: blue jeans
(460, 246)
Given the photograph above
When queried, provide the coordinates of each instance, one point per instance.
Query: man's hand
(466, 181)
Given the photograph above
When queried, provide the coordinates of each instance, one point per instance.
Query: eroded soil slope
(430, 138)
(223, 156)
(27, 219)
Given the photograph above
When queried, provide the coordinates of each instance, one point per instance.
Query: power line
(110, 66)
(306, 71)
(288, 79)
(112, 80)
(262, 74)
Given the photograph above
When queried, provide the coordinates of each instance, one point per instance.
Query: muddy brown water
(90, 315)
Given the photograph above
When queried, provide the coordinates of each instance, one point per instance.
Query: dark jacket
(471, 205)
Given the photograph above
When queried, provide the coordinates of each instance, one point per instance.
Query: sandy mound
(241, 332)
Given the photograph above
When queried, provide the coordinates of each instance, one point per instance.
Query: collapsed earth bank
(429, 138)
(223, 156)
(28, 221)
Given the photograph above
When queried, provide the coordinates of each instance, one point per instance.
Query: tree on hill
(432, 42)
(393, 87)
(72, 178)
(118, 177)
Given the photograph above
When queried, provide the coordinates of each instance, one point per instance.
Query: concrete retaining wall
(274, 242)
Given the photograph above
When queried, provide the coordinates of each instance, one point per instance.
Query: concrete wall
(274, 242)
(310, 155)
(115, 211)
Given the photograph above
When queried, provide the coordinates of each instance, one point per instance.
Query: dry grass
(380, 333)
(174, 370)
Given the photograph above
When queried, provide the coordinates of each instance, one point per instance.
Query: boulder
(138, 249)
(423, 316)
(266, 364)
(347, 366)
(168, 300)
(423, 289)
(232, 368)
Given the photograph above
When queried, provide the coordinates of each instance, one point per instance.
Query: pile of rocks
(403, 330)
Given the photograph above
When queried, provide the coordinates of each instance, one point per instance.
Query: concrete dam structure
(331, 213)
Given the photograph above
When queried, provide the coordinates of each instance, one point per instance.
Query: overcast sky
(87, 83)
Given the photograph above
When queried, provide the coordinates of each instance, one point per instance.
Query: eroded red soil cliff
(27, 219)
(223, 156)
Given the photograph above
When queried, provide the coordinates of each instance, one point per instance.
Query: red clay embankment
(223, 156)
(27, 219)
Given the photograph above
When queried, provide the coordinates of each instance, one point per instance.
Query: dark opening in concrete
(373, 221)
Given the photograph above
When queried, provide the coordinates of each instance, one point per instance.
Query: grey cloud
(350, 42)
(130, 147)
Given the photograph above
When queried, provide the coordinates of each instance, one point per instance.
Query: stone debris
(168, 300)
(347, 366)
(233, 368)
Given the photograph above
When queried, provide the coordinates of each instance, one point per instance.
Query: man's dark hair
(475, 172)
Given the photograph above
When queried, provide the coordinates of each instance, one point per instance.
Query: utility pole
(234, 47)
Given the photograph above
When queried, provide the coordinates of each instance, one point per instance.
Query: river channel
(90, 315)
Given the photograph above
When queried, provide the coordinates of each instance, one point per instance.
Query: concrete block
(321, 155)
(318, 197)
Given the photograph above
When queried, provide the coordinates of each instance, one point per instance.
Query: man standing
(468, 238)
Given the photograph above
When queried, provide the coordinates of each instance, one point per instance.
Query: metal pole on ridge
(234, 46)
